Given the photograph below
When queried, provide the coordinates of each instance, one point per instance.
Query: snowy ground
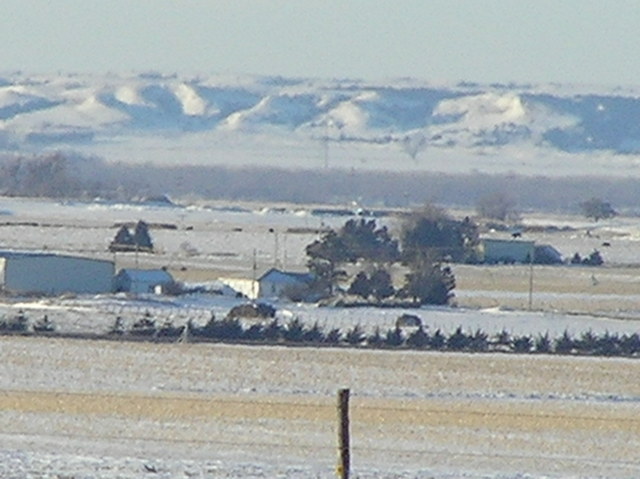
(106, 409)
(109, 409)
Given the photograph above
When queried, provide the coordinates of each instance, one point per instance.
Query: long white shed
(46, 273)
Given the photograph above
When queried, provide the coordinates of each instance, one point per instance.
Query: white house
(245, 287)
(278, 284)
(141, 280)
(46, 273)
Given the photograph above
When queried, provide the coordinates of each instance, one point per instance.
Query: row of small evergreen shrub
(20, 323)
(298, 333)
(295, 332)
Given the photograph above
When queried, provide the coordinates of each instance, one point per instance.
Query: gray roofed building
(48, 273)
(279, 284)
(141, 280)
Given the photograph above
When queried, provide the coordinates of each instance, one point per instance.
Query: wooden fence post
(344, 463)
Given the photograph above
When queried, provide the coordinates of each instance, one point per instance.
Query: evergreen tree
(314, 335)
(522, 344)
(355, 336)
(394, 337)
(438, 341)
(356, 240)
(419, 339)
(123, 236)
(428, 282)
(294, 331)
(380, 284)
(458, 341)
(376, 339)
(141, 236)
(594, 259)
(123, 241)
(361, 285)
(565, 344)
(432, 231)
(479, 341)
(543, 344)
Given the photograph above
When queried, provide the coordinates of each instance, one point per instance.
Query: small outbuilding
(53, 274)
(547, 254)
(141, 280)
(280, 284)
(242, 286)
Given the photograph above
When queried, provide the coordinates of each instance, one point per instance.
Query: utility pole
(254, 274)
(325, 144)
(531, 254)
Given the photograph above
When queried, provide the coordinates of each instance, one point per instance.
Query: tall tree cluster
(429, 237)
(139, 240)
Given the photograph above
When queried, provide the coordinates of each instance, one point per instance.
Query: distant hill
(298, 122)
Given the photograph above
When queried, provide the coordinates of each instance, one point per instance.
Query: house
(280, 284)
(53, 274)
(494, 251)
(272, 284)
(141, 280)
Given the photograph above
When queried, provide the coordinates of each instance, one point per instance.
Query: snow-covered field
(111, 409)
(106, 409)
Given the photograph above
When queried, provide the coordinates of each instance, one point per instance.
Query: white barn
(53, 274)
(141, 280)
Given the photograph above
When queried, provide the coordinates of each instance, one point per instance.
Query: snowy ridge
(67, 111)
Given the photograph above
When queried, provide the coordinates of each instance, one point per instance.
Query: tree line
(66, 175)
(295, 332)
(459, 340)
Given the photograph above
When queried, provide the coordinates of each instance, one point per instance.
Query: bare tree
(414, 144)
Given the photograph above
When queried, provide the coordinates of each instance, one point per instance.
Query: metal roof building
(506, 251)
(277, 284)
(141, 280)
(53, 274)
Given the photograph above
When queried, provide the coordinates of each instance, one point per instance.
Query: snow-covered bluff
(145, 112)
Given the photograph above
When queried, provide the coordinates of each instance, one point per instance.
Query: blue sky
(577, 41)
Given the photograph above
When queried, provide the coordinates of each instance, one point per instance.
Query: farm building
(547, 254)
(242, 286)
(272, 284)
(141, 280)
(506, 251)
(278, 284)
(45, 273)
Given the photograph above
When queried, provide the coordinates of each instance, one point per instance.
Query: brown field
(600, 290)
(409, 410)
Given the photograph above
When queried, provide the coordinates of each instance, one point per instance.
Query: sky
(486, 41)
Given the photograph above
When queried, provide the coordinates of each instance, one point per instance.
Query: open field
(610, 290)
(235, 411)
